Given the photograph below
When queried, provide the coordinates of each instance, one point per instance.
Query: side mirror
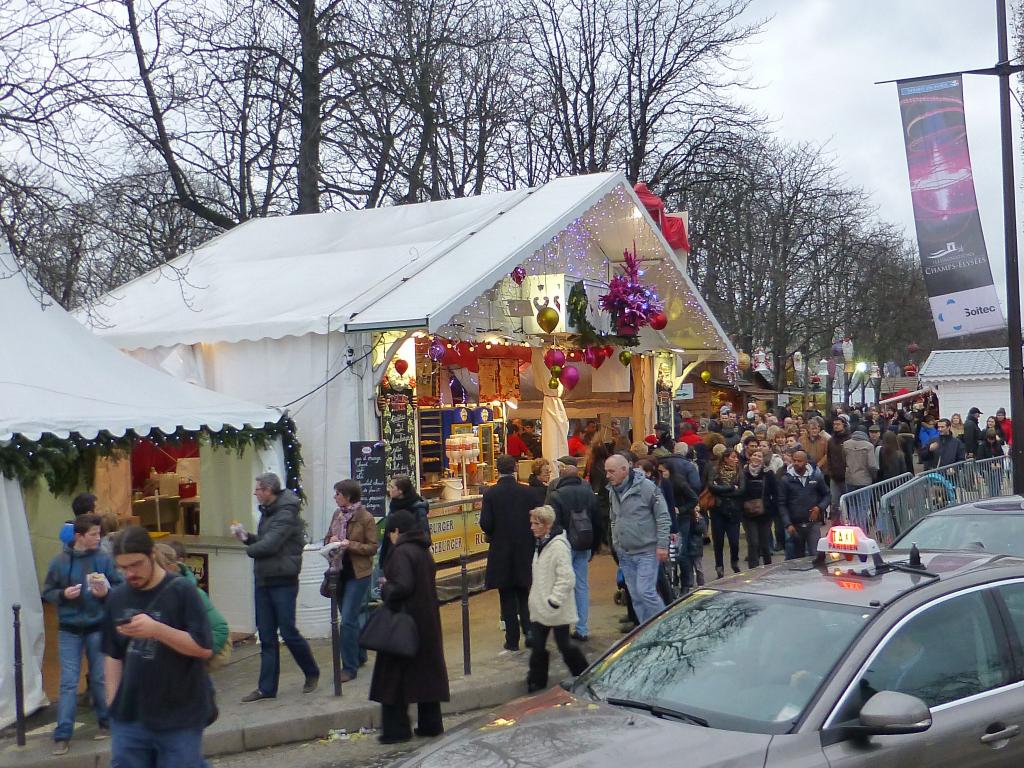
(889, 713)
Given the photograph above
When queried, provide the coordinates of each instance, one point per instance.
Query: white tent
(277, 308)
(56, 377)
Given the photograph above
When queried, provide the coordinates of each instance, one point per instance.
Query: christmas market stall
(403, 340)
(78, 415)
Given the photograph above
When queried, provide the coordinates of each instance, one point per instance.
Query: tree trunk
(310, 128)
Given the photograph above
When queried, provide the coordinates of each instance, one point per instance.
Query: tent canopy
(410, 266)
(57, 377)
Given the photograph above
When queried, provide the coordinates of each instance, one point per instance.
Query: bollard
(467, 665)
(19, 684)
(335, 643)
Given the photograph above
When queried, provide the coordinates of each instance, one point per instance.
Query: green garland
(68, 463)
(576, 304)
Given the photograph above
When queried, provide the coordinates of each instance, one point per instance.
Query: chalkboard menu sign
(398, 428)
(370, 471)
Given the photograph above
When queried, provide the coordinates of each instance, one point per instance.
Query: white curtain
(18, 577)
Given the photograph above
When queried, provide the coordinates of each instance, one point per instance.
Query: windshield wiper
(658, 711)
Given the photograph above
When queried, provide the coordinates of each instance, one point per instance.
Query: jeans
(805, 542)
(723, 526)
(133, 745)
(581, 567)
(353, 595)
(838, 488)
(641, 574)
(275, 612)
(515, 612)
(759, 540)
(71, 646)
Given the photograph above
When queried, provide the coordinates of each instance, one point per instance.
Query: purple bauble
(436, 350)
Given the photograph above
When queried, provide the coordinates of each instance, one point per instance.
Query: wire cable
(331, 378)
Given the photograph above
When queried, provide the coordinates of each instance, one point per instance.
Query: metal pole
(335, 643)
(1013, 319)
(19, 683)
(467, 665)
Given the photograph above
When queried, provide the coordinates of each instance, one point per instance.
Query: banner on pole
(956, 269)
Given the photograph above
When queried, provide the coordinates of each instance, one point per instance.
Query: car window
(1013, 597)
(1003, 534)
(947, 652)
(740, 661)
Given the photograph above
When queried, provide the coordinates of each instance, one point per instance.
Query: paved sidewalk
(496, 678)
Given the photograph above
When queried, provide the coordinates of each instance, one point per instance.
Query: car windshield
(736, 660)
(1000, 534)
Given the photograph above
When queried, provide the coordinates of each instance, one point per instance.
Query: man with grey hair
(276, 550)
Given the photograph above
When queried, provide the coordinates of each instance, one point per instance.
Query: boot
(735, 566)
(719, 571)
(537, 674)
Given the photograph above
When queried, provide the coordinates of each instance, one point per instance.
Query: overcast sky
(817, 62)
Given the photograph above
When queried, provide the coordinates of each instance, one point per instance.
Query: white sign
(685, 392)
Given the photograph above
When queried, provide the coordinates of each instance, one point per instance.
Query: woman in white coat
(552, 601)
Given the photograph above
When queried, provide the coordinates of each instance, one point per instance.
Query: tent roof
(966, 365)
(409, 266)
(57, 377)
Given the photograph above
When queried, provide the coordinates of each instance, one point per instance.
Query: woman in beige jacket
(552, 602)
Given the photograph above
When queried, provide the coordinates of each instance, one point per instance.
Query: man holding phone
(157, 638)
(78, 582)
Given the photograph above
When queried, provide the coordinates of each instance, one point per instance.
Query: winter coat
(552, 602)
(362, 541)
(539, 489)
(728, 496)
(639, 516)
(218, 624)
(276, 547)
(972, 436)
(683, 492)
(835, 458)
(686, 468)
(420, 510)
(691, 534)
(505, 520)
(950, 451)
(990, 450)
(572, 494)
(797, 495)
(410, 586)
(816, 448)
(892, 466)
(860, 459)
(907, 445)
(85, 612)
(763, 487)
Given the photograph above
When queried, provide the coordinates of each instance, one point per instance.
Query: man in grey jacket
(276, 550)
(640, 532)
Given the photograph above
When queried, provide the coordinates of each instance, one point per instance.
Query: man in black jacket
(803, 495)
(276, 549)
(972, 433)
(505, 520)
(570, 498)
(949, 449)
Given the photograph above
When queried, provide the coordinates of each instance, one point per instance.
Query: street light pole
(1013, 315)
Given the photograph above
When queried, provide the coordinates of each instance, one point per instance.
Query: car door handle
(1007, 733)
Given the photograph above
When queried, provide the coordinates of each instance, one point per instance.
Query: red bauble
(658, 321)
(401, 366)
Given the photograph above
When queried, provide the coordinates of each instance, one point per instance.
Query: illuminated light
(854, 586)
(843, 537)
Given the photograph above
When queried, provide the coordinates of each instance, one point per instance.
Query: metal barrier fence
(940, 488)
(861, 507)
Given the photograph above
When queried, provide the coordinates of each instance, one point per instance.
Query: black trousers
(394, 720)
(537, 676)
(759, 540)
(515, 612)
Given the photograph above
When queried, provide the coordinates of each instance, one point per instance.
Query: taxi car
(853, 658)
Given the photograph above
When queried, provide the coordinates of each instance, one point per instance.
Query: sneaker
(61, 747)
(256, 695)
(311, 683)
(578, 637)
(347, 677)
(102, 733)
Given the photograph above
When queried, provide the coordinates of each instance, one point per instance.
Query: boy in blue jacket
(78, 582)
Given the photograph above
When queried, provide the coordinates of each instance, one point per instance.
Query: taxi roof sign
(848, 540)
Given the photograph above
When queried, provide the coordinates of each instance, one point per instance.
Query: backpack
(580, 530)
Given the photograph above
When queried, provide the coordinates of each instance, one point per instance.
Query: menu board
(398, 428)
(370, 471)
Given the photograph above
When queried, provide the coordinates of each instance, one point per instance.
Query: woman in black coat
(540, 477)
(759, 508)
(726, 485)
(408, 585)
(403, 495)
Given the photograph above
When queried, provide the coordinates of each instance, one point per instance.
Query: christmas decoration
(553, 357)
(743, 361)
(910, 370)
(556, 370)
(553, 383)
(589, 356)
(625, 356)
(547, 319)
(658, 321)
(569, 377)
(436, 350)
(705, 376)
(401, 366)
(630, 302)
(577, 305)
(518, 275)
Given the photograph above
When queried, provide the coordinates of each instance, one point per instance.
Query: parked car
(992, 525)
(853, 659)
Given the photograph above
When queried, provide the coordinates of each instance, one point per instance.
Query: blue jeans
(805, 542)
(71, 646)
(581, 567)
(641, 574)
(353, 597)
(133, 745)
(275, 612)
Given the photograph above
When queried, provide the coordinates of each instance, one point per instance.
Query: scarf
(340, 521)
(727, 473)
(754, 471)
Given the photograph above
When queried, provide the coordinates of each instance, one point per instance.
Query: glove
(330, 549)
(239, 532)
